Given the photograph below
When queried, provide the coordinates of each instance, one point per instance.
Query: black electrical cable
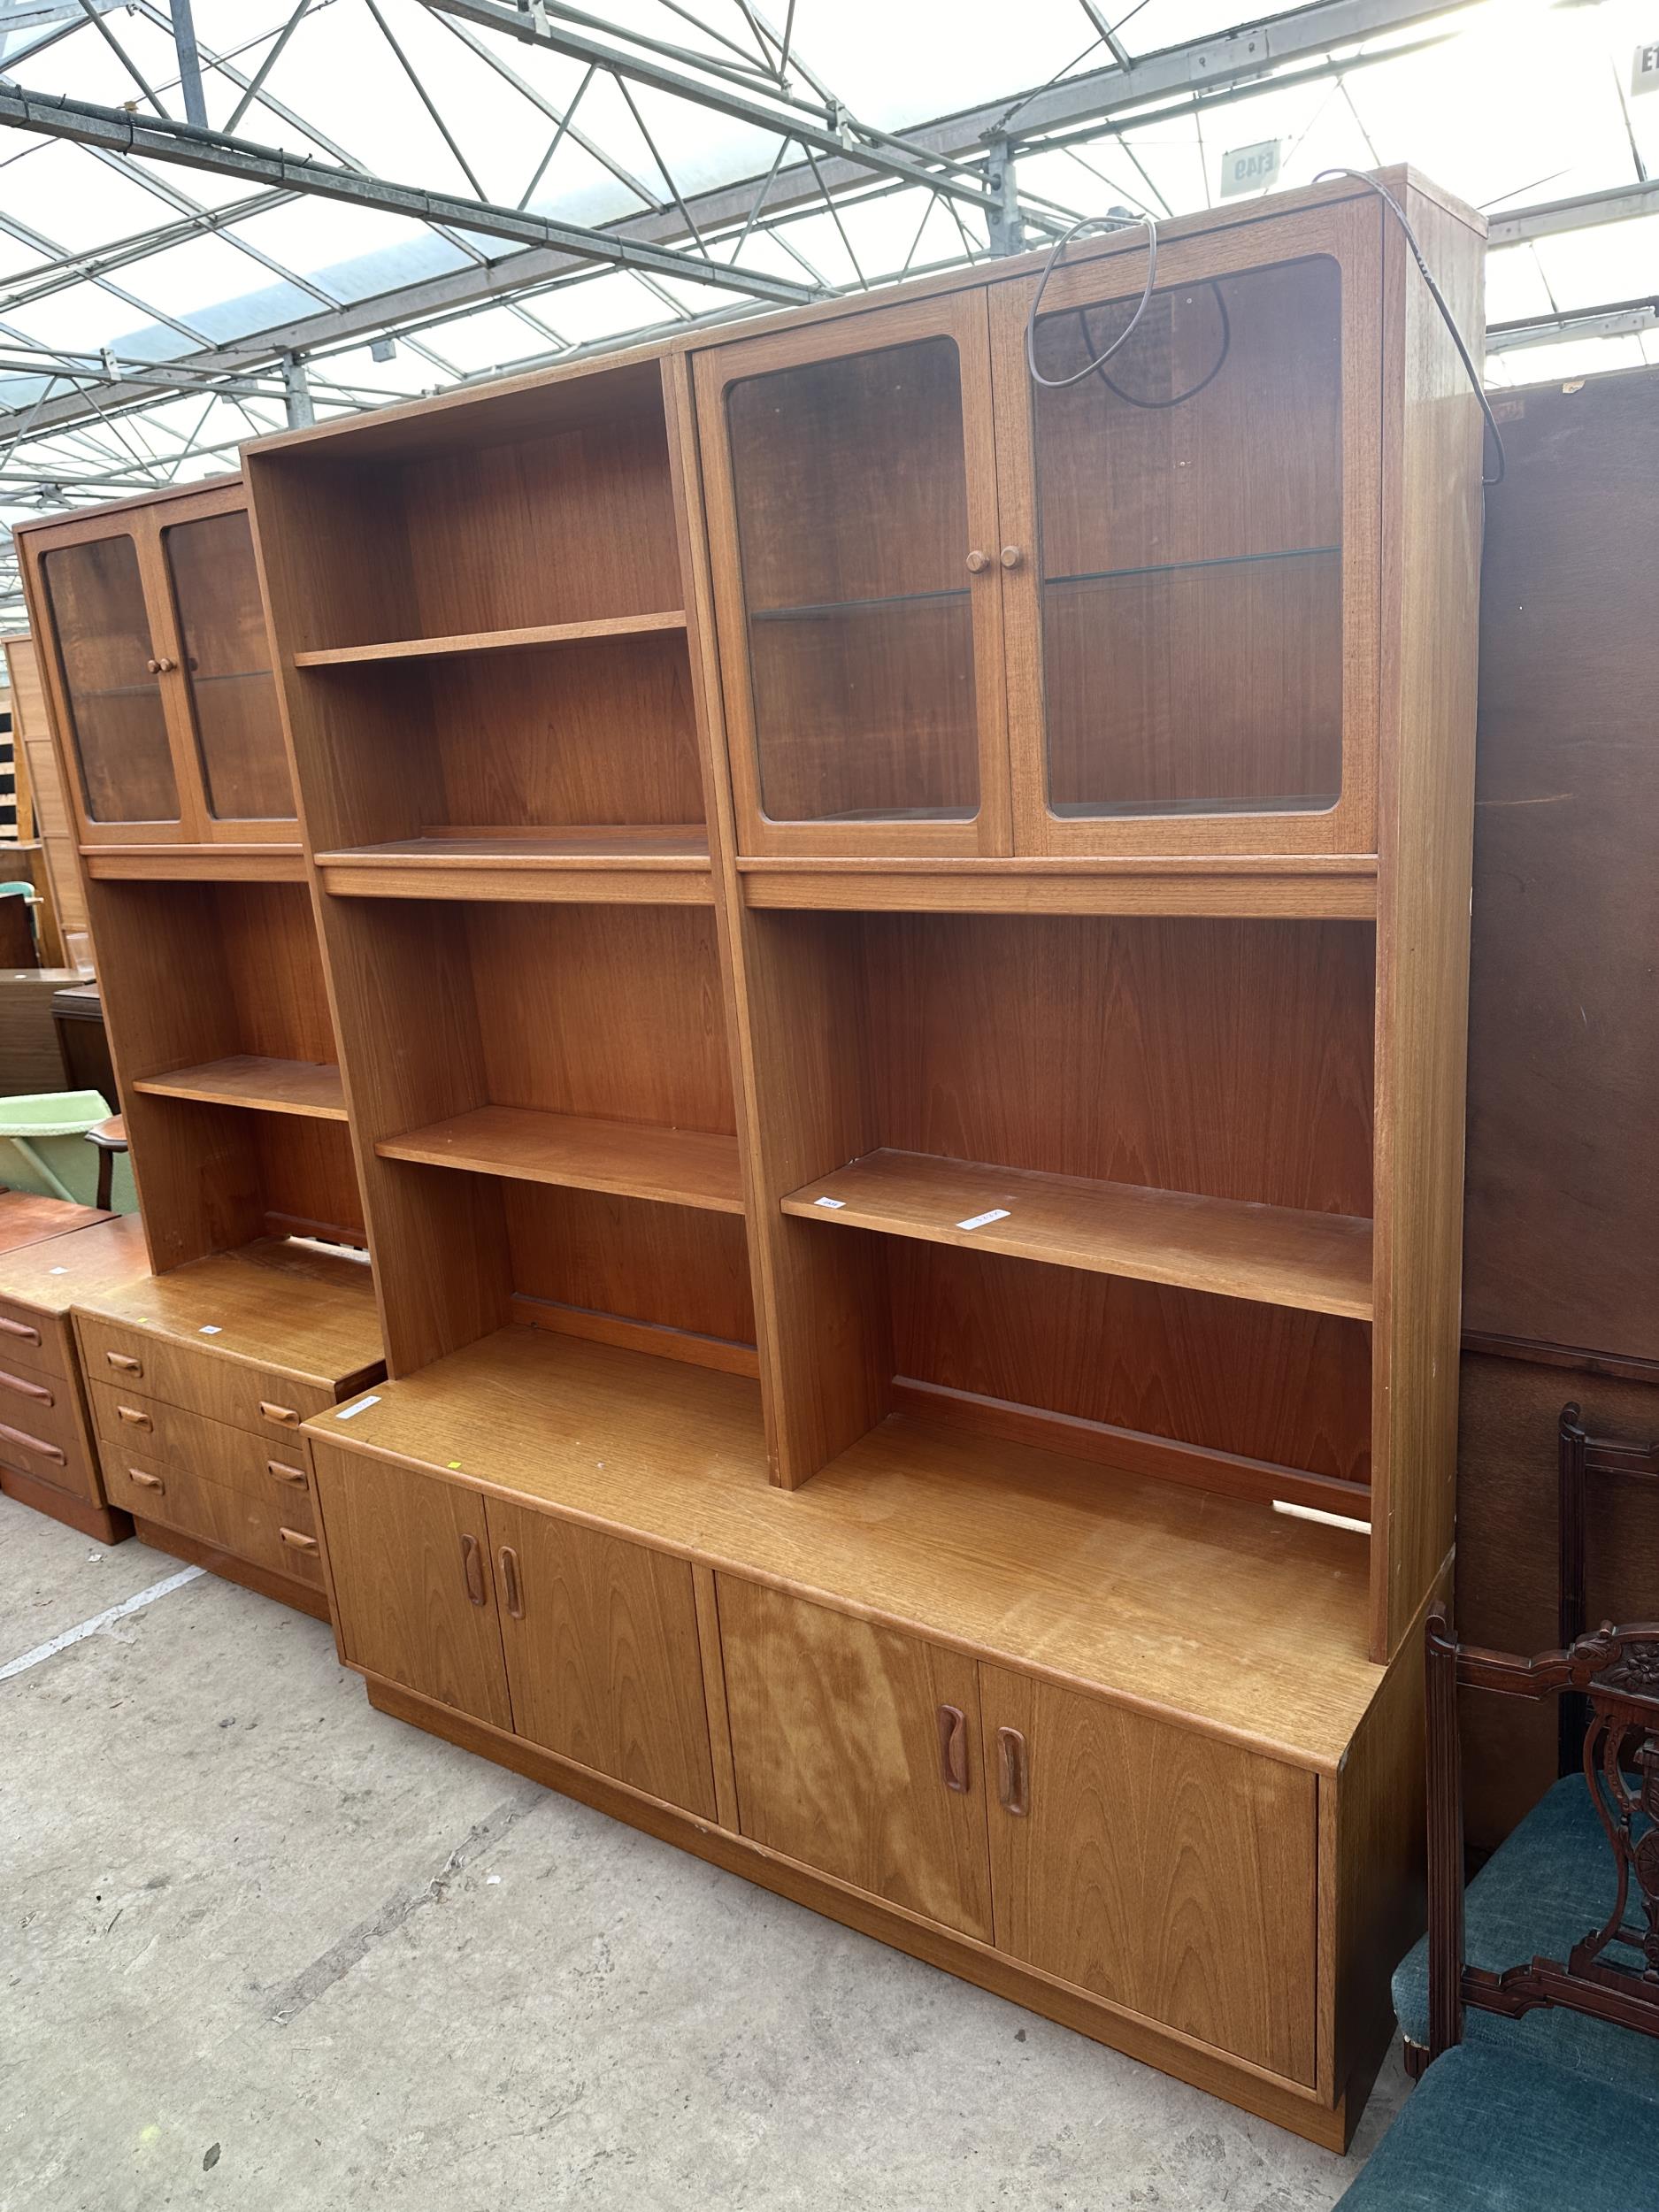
(1193, 391)
(1439, 298)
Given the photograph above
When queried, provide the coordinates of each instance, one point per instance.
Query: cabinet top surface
(1243, 1620)
(308, 1312)
(84, 1264)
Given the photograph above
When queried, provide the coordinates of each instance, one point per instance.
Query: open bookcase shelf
(1280, 1255)
(680, 1167)
(493, 640)
(246, 1078)
(654, 862)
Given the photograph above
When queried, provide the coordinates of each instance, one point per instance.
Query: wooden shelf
(1314, 886)
(642, 863)
(1274, 1254)
(272, 1087)
(681, 1167)
(195, 864)
(412, 648)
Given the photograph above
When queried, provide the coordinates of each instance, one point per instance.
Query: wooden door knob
(1012, 555)
(978, 560)
(160, 665)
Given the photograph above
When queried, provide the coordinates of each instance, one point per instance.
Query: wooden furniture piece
(199, 1382)
(77, 1015)
(51, 860)
(158, 674)
(885, 1226)
(49, 1451)
(1562, 1221)
(31, 1052)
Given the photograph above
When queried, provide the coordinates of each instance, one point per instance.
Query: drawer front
(46, 1442)
(38, 1404)
(267, 1533)
(34, 1341)
(254, 1398)
(270, 1471)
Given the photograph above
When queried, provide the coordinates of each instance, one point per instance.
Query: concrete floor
(263, 1947)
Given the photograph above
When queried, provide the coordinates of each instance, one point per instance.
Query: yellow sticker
(455, 1466)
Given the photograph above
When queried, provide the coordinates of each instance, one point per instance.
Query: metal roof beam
(54, 115)
(1620, 204)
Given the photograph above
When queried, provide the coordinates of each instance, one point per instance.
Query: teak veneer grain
(1276, 1254)
(269, 1086)
(683, 1167)
(1125, 1584)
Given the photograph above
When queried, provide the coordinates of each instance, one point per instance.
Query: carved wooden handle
(123, 1363)
(32, 1444)
(133, 1418)
(1013, 1779)
(9, 1327)
(510, 1581)
(472, 1563)
(294, 1541)
(145, 1481)
(295, 1477)
(26, 1389)
(953, 1748)
(977, 561)
(286, 1415)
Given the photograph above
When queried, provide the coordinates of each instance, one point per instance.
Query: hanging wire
(1438, 298)
(1115, 219)
(1177, 399)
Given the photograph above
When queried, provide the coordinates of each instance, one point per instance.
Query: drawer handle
(146, 1481)
(294, 1476)
(133, 1418)
(953, 1748)
(28, 1443)
(1013, 1778)
(27, 1389)
(9, 1327)
(294, 1541)
(123, 1363)
(510, 1581)
(285, 1414)
(472, 1565)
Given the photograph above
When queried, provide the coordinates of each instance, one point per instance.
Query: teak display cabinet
(963, 613)
(158, 669)
(898, 944)
(155, 656)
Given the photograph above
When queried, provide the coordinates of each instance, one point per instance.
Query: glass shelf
(831, 607)
(1181, 568)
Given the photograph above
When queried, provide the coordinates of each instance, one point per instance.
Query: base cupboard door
(1167, 1871)
(857, 1752)
(410, 1561)
(602, 1656)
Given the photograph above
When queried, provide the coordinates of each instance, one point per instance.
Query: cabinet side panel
(1431, 509)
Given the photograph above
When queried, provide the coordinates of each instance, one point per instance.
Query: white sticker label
(210, 1328)
(834, 1204)
(349, 1413)
(57, 1270)
(978, 1221)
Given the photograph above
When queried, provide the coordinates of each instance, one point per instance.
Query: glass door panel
(852, 509)
(1190, 508)
(1192, 604)
(226, 660)
(117, 724)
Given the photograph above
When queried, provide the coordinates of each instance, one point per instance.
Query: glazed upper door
(852, 517)
(225, 686)
(156, 657)
(1191, 577)
(109, 673)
